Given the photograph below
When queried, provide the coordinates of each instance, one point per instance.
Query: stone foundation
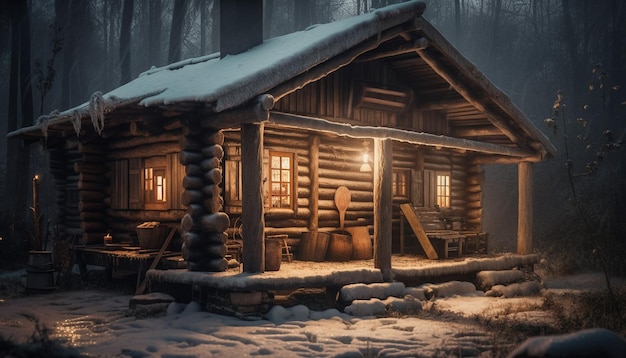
(253, 303)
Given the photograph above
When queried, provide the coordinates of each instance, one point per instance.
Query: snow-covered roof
(233, 80)
(218, 84)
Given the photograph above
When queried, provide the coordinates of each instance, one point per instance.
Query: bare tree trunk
(176, 31)
(203, 27)
(215, 27)
(303, 14)
(154, 41)
(268, 13)
(127, 19)
(457, 20)
(18, 161)
(493, 52)
(62, 19)
(572, 49)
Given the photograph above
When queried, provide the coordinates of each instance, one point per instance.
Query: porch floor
(308, 274)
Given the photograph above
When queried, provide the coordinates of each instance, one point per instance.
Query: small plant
(45, 81)
(595, 215)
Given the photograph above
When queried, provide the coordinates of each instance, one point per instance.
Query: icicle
(43, 123)
(97, 108)
(76, 122)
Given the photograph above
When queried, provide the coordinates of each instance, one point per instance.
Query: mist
(531, 49)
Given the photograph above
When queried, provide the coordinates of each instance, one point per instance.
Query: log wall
(338, 161)
(65, 179)
(132, 147)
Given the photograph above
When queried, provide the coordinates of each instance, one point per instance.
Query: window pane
(275, 162)
(286, 162)
(276, 175)
(286, 176)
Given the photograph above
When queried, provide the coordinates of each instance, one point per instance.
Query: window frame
(397, 174)
(443, 189)
(128, 183)
(155, 165)
(291, 176)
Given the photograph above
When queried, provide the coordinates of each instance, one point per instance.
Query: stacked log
(339, 165)
(135, 145)
(91, 192)
(204, 225)
(59, 179)
(474, 192)
(458, 179)
(71, 215)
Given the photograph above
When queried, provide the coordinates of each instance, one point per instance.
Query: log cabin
(264, 133)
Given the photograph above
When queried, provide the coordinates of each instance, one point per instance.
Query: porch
(241, 293)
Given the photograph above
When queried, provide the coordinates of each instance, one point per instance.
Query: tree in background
(20, 113)
(127, 19)
(176, 31)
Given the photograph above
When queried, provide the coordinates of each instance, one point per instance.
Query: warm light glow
(365, 167)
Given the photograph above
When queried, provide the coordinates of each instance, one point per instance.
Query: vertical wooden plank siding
(525, 212)
(253, 222)
(383, 203)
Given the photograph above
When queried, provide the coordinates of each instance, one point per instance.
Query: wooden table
(116, 258)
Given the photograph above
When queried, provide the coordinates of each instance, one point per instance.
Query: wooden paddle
(342, 201)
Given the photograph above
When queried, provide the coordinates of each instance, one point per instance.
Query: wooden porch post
(253, 221)
(383, 201)
(314, 153)
(525, 209)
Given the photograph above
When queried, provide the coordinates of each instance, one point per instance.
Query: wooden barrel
(339, 247)
(313, 246)
(273, 254)
(361, 243)
(40, 271)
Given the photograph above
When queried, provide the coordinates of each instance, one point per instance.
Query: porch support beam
(314, 151)
(525, 209)
(365, 132)
(252, 216)
(383, 206)
(467, 93)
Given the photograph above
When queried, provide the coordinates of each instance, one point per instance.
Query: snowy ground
(99, 323)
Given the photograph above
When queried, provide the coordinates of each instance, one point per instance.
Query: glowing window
(443, 190)
(155, 183)
(281, 180)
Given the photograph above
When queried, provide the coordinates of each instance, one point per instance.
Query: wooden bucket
(339, 247)
(313, 246)
(273, 254)
(361, 243)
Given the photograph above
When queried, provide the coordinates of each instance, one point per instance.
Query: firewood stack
(204, 226)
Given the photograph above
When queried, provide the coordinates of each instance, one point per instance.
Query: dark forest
(563, 63)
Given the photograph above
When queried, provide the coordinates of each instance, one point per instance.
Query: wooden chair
(234, 243)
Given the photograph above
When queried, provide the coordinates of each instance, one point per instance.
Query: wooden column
(525, 209)
(314, 167)
(383, 201)
(253, 222)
